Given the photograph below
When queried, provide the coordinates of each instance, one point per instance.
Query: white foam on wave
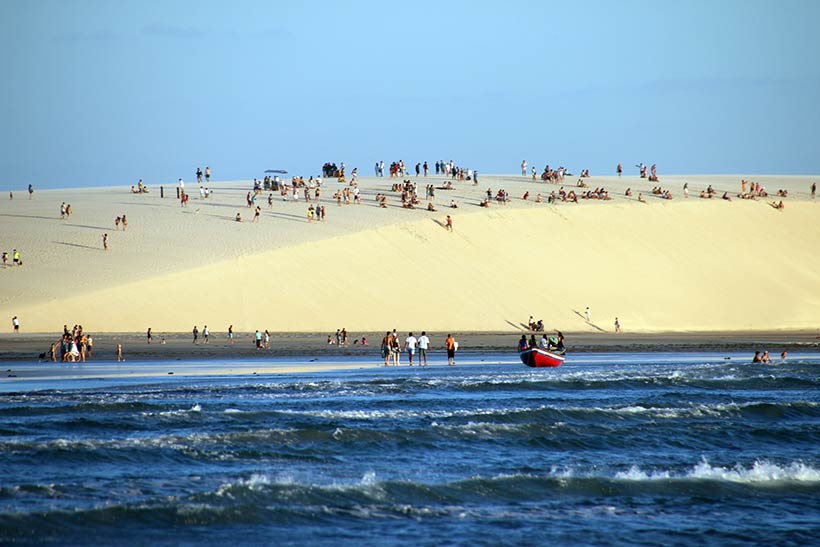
(395, 414)
(254, 483)
(758, 472)
(174, 413)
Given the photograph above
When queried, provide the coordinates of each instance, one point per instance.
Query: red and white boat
(537, 357)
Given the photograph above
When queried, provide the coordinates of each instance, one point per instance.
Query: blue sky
(107, 92)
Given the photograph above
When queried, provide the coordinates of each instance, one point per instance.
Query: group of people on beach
(74, 346)
(340, 339)
(392, 348)
(199, 175)
(15, 259)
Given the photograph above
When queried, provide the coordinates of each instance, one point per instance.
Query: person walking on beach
(588, 314)
(619, 169)
(813, 189)
(148, 335)
(524, 168)
(207, 174)
(124, 223)
(15, 258)
(205, 334)
(230, 334)
(119, 353)
(62, 211)
(386, 343)
(617, 325)
(5, 259)
(15, 323)
(424, 343)
(30, 191)
(449, 224)
(450, 344)
(266, 339)
(196, 335)
(105, 241)
(410, 344)
(258, 338)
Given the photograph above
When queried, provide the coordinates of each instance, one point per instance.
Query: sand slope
(661, 266)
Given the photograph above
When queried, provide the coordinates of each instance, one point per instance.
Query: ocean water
(618, 449)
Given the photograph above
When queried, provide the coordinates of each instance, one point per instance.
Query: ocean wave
(759, 472)
(263, 498)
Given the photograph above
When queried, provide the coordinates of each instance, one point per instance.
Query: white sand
(674, 265)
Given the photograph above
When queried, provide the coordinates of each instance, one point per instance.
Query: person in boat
(533, 343)
(523, 344)
(544, 343)
(557, 343)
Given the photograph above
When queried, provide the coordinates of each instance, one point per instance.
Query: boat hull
(540, 358)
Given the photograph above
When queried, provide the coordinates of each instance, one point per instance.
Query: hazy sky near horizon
(101, 93)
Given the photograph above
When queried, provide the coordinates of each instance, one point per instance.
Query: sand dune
(676, 265)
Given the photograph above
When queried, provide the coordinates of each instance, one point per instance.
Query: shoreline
(21, 348)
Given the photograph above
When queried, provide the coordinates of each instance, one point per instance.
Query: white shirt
(424, 341)
(411, 342)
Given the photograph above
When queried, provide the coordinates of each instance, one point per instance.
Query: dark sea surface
(609, 449)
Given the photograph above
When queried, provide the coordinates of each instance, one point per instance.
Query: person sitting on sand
(726, 196)
(453, 204)
(628, 192)
(779, 206)
(238, 217)
(640, 197)
(582, 184)
(430, 207)
(539, 199)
